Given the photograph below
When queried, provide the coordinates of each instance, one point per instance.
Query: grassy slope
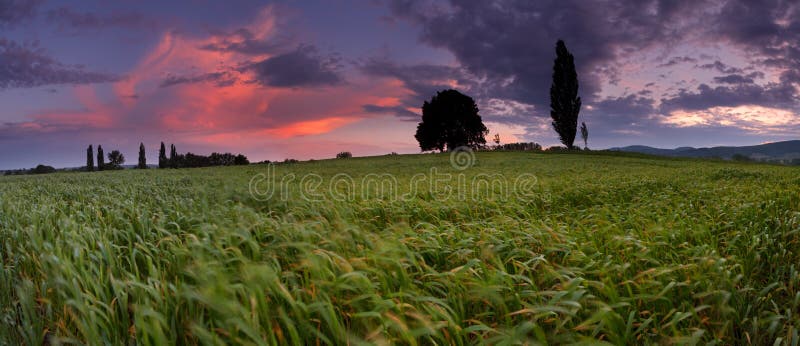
(621, 249)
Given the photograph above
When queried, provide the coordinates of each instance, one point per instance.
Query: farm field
(621, 249)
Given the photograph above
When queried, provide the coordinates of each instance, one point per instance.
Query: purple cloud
(27, 66)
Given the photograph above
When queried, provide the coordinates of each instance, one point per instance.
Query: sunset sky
(307, 79)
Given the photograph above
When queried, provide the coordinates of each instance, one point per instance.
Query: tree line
(188, 160)
(450, 119)
(115, 159)
(175, 160)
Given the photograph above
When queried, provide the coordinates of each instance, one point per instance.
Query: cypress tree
(565, 104)
(89, 159)
(173, 156)
(100, 158)
(142, 157)
(162, 156)
(585, 135)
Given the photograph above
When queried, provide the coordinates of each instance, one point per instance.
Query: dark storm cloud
(790, 76)
(508, 45)
(514, 40)
(771, 95)
(631, 112)
(628, 107)
(65, 17)
(13, 12)
(27, 66)
(769, 27)
(721, 67)
(219, 79)
(302, 67)
(733, 79)
(423, 80)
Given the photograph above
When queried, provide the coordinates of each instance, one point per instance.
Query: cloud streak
(27, 66)
(65, 17)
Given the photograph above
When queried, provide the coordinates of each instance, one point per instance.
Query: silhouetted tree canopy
(115, 159)
(89, 158)
(42, 169)
(173, 156)
(39, 169)
(565, 104)
(241, 160)
(585, 135)
(519, 146)
(162, 156)
(100, 158)
(142, 158)
(450, 120)
(190, 160)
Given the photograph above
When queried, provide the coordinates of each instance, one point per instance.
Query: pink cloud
(196, 108)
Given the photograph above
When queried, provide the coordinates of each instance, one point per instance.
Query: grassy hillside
(786, 150)
(594, 247)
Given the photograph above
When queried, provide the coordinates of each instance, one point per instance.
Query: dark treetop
(450, 120)
(565, 104)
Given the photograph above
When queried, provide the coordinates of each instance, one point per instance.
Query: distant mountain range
(777, 151)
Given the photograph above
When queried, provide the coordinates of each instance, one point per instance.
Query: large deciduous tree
(115, 159)
(565, 104)
(450, 120)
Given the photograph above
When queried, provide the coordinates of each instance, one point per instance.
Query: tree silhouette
(585, 135)
(142, 157)
(241, 160)
(89, 158)
(100, 159)
(173, 156)
(450, 120)
(162, 156)
(43, 169)
(115, 159)
(496, 139)
(565, 104)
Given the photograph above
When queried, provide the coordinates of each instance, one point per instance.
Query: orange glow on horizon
(312, 127)
(753, 118)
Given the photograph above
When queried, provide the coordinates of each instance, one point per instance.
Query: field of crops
(617, 249)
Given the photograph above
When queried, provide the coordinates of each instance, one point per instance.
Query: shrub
(741, 158)
(344, 155)
(42, 169)
(531, 146)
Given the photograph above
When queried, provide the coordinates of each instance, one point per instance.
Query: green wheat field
(618, 249)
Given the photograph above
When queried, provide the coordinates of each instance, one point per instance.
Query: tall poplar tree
(89, 158)
(565, 104)
(142, 157)
(162, 156)
(100, 158)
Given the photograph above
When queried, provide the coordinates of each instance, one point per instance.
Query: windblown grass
(624, 250)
